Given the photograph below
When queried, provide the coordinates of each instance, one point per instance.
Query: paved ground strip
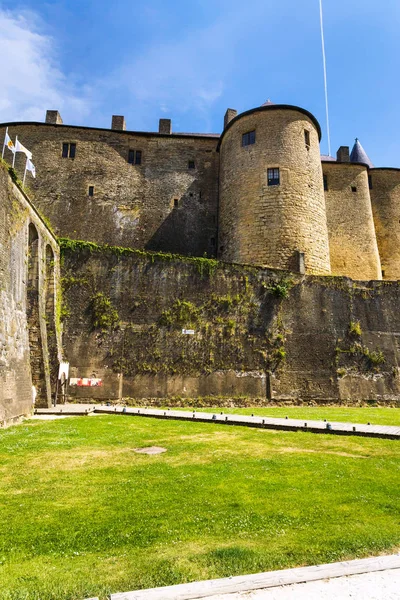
(275, 582)
(383, 585)
(335, 428)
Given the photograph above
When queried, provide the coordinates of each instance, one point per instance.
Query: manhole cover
(150, 450)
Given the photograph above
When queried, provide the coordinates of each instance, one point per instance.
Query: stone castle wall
(176, 200)
(269, 225)
(161, 204)
(29, 338)
(352, 239)
(385, 195)
(248, 340)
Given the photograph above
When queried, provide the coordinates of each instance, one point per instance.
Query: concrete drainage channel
(263, 581)
(369, 430)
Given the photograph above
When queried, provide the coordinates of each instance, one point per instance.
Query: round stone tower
(385, 198)
(272, 206)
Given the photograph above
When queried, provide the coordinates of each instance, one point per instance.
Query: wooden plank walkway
(333, 428)
(260, 581)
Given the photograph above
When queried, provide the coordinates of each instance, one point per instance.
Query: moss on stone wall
(308, 336)
(205, 266)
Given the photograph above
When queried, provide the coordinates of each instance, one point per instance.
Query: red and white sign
(85, 382)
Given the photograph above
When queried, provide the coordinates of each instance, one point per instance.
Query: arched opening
(50, 319)
(35, 338)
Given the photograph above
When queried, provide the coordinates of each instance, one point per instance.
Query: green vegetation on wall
(205, 266)
(105, 316)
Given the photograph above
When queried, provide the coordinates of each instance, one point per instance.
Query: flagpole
(26, 165)
(4, 144)
(15, 150)
(325, 77)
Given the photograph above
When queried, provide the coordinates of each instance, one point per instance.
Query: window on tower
(273, 177)
(249, 138)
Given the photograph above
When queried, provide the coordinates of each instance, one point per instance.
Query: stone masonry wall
(258, 333)
(161, 204)
(25, 320)
(268, 225)
(352, 240)
(385, 196)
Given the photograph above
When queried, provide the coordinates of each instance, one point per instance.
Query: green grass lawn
(375, 415)
(83, 515)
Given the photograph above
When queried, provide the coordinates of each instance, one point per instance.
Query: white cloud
(31, 81)
(187, 74)
(176, 77)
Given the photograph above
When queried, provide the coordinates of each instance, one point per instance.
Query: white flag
(31, 167)
(9, 143)
(20, 148)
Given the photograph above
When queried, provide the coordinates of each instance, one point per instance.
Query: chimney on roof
(165, 126)
(118, 123)
(343, 154)
(53, 117)
(230, 114)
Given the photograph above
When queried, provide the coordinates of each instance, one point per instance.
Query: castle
(301, 304)
(259, 193)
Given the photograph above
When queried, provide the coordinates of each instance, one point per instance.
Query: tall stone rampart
(269, 224)
(29, 283)
(352, 239)
(385, 195)
(99, 192)
(154, 326)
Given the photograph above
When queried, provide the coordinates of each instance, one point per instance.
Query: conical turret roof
(358, 155)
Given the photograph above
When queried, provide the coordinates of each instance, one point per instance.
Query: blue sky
(190, 60)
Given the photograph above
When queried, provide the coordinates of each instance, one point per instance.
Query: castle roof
(358, 155)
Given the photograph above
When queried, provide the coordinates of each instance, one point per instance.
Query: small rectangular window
(135, 157)
(370, 182)
(383, 273)
(273, 177)
(191, 164)
(176, 202)
(307, 138)
(68, 150)
(249, 138)
(212, 241)
(326, 183)
(91, 190)
(353, 189)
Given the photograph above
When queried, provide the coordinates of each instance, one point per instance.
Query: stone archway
(33, 318)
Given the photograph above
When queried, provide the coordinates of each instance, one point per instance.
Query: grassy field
(83, 515)
(375, 415)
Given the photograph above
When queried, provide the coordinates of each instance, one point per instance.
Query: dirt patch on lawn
(150, 450)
